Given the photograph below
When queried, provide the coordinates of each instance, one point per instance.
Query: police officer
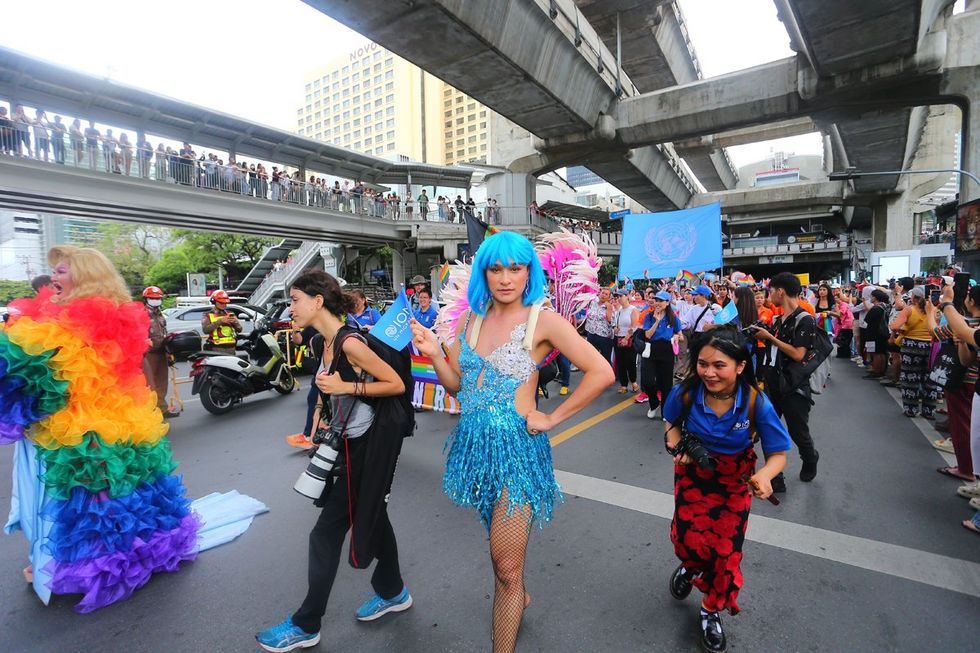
(220, 325)
(156, 360)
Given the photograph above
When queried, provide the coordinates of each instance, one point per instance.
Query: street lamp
(851, 173)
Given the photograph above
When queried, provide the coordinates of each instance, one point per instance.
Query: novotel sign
(362, 51)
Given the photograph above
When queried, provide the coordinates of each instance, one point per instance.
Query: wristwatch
(942, 307)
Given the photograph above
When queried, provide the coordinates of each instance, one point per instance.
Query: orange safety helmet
(152, 292)
(220, 296)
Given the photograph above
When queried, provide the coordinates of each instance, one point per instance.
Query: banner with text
(427, 393)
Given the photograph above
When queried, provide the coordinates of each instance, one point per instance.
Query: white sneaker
(943, 444)
(975, 503)
(652, 414)
(857, 359)
(970, 490)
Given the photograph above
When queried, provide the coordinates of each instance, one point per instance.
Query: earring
(527, 290)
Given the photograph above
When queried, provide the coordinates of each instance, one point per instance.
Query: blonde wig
(91, 272)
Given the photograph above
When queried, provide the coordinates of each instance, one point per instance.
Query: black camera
(691, 445)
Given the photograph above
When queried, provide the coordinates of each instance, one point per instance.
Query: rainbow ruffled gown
(93, 490)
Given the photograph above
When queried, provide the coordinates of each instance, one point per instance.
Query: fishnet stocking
(508, 546)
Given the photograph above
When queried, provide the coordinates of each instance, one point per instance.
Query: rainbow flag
(687, 277)
(423, 370)
(745, 281)
(444, 275)
(613, 285)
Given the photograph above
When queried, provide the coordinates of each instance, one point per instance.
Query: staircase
(274, 286)
(265, 264)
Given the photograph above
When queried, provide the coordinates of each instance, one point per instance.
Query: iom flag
(657, 245)
(394, 328)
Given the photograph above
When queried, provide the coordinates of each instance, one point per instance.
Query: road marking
(933, 569)
(571, 432)
(925, 428)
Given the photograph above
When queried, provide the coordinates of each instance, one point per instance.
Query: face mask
(154, 302)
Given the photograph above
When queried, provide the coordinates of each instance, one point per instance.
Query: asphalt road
(870, 556)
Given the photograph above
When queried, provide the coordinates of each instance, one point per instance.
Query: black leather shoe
(779, 483)
(713, 638)
(809, 470)
(680, 583)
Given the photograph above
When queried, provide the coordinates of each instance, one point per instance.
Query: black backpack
(403, 417)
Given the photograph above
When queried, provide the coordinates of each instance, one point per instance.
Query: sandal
(970, 526)
(948, 471)
(621, 390)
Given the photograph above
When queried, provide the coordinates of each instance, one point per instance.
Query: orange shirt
(804, 304)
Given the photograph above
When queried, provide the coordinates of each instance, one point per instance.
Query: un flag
(657, 245)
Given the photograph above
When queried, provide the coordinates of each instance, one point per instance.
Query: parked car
(189, 319)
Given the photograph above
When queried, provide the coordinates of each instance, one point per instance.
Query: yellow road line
(571, 432)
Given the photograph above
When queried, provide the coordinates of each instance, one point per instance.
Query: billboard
(968, 229)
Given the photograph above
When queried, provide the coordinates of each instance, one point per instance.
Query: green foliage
(208, 250)
(11, 290)
(609, 271)
(132, 248)
(170, 272)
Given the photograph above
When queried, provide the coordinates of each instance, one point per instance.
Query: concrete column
(514, 192)
(961, 79)
(892, 227)
(397, 268)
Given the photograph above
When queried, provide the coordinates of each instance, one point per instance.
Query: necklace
(722, 396)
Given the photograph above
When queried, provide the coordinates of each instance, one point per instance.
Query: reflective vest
(222, 335)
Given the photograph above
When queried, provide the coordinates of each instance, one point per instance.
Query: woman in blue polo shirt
(365, 316)
(661, 327)
(719, 404)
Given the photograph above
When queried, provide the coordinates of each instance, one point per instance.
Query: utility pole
(25, 259)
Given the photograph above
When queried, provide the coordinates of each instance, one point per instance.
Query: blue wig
(506, 248)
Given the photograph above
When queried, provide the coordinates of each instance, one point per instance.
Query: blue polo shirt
(369, 317)
(426, 318)
(729, 434)
(665, 329)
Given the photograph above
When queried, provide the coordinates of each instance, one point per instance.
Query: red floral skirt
(711, 512)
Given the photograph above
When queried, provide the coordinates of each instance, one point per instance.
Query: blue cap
(663, 295)
(702, 290)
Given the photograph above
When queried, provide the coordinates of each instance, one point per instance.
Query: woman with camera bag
(351, 377)
(711, 420)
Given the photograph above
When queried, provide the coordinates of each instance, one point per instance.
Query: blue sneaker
(376, 607)
(286, 637)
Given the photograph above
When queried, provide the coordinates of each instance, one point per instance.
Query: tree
(11, 290)
(170, 272)
(132, 248)
(236, 253)
(609, 271)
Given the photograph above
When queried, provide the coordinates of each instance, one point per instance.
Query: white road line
(925, 428)
(933, 569)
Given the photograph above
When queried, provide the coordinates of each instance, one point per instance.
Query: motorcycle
(223, 380)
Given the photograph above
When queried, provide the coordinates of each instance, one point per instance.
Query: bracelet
(942, 307)
(673, 451)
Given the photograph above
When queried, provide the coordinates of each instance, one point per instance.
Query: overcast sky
(248, 58)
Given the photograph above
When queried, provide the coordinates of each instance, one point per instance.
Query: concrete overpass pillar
(962, 80)
(514, 192)
(397, 268)
(892, 227)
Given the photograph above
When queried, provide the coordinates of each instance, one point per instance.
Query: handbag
(640, 343)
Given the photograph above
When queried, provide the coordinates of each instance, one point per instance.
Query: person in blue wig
(499, 457)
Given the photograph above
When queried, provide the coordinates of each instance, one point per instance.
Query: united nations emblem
(672, 242)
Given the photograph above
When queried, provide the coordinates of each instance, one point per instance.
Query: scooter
(223, 381)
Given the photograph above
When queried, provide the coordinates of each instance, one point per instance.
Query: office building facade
(373, 101)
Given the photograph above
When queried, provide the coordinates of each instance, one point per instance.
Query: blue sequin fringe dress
(490, 448)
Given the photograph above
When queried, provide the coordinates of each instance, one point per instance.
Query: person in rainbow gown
(93, 487)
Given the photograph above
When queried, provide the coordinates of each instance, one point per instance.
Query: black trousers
(602, 344)
(796, 409)
(656, 375)
(625, 365)
(326, 547)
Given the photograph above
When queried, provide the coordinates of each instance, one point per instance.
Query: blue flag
(727, 314)
(394, 328)
(657, 245)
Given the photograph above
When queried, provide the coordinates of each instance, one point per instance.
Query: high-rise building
(373, 101)
(25, 239)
